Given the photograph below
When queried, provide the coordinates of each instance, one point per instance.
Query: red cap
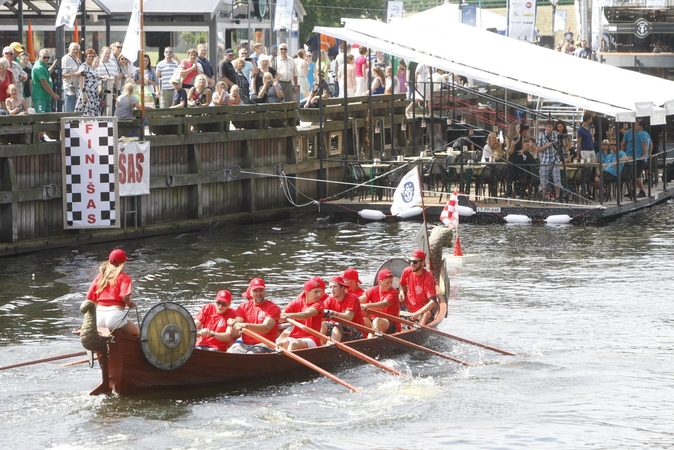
(256, 283)
(223, 296)
(117, 257)
(311, 285)
(419, 254)
(320, 281)
(384, 274)
(352, 274)
(338, 280)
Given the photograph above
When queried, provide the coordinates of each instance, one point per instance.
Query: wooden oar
(38, 361)
(364, 329)
(441, 333)
(299, 359)
(345, 347)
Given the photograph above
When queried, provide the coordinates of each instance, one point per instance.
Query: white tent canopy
(428, 38)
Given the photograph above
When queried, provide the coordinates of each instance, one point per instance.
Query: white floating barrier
(465, 211)
(371, 214)
(413, 211)
(517, 218)
(559, 218)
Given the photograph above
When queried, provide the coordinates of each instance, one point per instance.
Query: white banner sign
(283, 19)
(90, 199)
(522, 19)
(408, 192)
(560, 20)
(134, 168)
(67, 13)
(394, 9)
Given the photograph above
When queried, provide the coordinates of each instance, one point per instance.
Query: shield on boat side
(167, 336)
(395, 265)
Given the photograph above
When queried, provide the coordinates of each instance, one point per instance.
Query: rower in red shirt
(417, 289)
(383, 297)
(307, 309)
(352, 282)
(211, 323)
(343, 305)
(257, 314)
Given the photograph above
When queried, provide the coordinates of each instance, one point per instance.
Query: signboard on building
(522, 20)
(134, 168)
(90, 197)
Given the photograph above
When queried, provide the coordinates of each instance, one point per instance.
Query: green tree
(328, 13)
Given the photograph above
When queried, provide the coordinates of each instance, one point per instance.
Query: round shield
(167, 336)
(395, 265)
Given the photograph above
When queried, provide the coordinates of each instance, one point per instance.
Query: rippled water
(589, 309)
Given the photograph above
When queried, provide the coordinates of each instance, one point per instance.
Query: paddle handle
(364, 329)
(38, 361)
(299, 359)
(345, 347)
(438, 332)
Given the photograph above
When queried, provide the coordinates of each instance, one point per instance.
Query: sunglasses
(9, 53)
(46, 57)
(414, 261)
(221, 304)
(244, 53)
(283, 49)
(168, 51)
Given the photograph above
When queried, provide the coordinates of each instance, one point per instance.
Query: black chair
(498, 174)
(392, 181)
(358, 176)
(482, 181)
(448, 175)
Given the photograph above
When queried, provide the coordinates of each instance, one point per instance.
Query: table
(375, 169)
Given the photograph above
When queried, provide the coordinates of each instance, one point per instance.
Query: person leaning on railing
(127, 101)
(320, 90)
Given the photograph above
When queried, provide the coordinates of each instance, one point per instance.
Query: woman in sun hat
(111, 291)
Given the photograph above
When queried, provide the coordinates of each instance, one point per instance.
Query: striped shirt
(166, 69)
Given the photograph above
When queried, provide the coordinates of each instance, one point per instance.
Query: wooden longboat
(126, 370)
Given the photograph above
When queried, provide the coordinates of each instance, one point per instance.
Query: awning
(428, 38)
(39, 9)
(165, 7)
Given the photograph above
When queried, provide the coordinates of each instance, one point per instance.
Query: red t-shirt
(420, 288)
(360, 62)
(300, 305)
(375, 295)
(4, 85)
(211, 319)
(113, 294)
(350, 302)
(250, 312)
(359, 291)
(189, 78)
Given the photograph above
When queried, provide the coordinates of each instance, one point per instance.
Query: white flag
(67, 13)
(131, 45)
(408, 192)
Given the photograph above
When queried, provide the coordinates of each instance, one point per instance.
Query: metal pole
(20, 30)
(345, 68)
(369, 100)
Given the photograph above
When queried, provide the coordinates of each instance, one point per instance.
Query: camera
(197, 103)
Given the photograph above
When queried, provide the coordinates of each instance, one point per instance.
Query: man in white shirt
(285, 66)
(70, 65)
(165, 69)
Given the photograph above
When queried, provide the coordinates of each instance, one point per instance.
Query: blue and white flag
(408, 192)
(131, 45)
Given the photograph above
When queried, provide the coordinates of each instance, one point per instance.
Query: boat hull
(130, 373)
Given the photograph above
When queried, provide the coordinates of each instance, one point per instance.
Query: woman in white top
(493, 150)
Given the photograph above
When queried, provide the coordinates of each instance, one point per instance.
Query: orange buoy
(457, 248)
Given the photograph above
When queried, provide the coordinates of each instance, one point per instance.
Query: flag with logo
(450, 213)
(67, 13)
(408, 192)
(131, 45)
